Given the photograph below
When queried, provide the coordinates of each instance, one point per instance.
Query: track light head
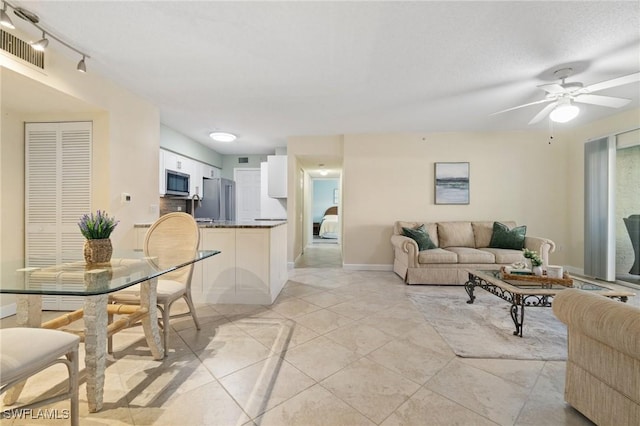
(5, 21)
(41, 44)
(82, 67)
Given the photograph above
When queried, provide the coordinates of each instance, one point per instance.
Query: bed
(329, 223)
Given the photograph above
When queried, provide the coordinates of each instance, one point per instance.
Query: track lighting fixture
(5, 21)
(41, 44)
(34, 20)
(82, 67)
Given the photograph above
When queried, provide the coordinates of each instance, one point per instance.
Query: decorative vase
(98, 251)
(537, 270)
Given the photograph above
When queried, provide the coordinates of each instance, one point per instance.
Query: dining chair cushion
(31, 349)
(166, 289)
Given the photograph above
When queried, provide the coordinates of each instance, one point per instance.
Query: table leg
(95, 346)
(517, 315)
(148, 298)
(469, 286)
(28, 314)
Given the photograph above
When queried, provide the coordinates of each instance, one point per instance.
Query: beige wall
(125, 150)
(514, 176)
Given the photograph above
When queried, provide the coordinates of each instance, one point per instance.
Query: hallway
(320, 256)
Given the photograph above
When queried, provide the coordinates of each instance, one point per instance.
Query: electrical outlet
(179, 208)
(125, 198)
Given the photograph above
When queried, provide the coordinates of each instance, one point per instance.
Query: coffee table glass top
(580, 283)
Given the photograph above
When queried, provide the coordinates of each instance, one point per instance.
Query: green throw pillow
(505, 238)
(421, 236)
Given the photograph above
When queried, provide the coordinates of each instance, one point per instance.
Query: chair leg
(110, 338)
(73, 386)
(165, 328)
(192, 309)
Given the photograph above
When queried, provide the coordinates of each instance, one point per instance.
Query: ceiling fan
(563, 95)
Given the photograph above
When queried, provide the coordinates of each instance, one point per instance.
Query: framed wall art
(452, 183)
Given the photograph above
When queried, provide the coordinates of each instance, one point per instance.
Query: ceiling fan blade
(522, 106)
(542, 114)
(631, 78)
(553, 88)
(606, 101)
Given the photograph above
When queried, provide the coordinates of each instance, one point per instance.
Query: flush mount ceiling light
(324, 172)
(222, 136)
(5, 21)
(34, 20)
(564, 111)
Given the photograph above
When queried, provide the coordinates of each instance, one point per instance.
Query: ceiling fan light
(222, 136)
(564, 113)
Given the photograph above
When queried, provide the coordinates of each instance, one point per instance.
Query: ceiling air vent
(21, 49)
(243, 160)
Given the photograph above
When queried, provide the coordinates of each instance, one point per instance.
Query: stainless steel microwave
(177, 183)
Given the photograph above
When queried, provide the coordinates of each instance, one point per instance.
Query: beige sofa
(460, 245)
(603, 364)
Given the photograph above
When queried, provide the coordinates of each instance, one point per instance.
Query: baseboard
(366, 267)
(8, 310)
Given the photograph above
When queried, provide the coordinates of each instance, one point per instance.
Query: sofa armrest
(408, 246)
(608, 321)
(543, 246)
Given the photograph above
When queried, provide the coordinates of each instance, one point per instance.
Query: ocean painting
(452, 183)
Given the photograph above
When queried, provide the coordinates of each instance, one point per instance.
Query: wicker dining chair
(172, 239)
(25, 352)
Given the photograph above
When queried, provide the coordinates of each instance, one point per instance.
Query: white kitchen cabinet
(251, 268)
(195, 169)
(277, 182)
(270, 208)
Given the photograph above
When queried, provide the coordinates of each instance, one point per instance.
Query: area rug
(484, 329)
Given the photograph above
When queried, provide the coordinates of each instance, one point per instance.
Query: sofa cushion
(482, 232)
(505, 256)
(471, 255)
(431, 228)
(437, 255)
(455, 234)
(420, 236)
(506, 238)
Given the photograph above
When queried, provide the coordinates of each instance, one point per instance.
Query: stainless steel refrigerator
(218, 200)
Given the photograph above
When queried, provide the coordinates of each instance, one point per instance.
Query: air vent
(21, 49)
(243, 160)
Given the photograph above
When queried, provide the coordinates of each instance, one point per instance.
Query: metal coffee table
(525, 293)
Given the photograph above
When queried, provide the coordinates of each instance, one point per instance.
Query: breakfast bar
(252, 265)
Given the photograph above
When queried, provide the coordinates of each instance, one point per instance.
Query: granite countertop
(231, 224)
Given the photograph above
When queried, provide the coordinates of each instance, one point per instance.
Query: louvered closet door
(58, 192)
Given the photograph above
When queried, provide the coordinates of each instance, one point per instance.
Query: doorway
(247, 193)
(321, 189)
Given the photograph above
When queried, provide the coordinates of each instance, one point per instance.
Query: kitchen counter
(231, 224)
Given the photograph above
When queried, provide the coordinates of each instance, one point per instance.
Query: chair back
(173, 238)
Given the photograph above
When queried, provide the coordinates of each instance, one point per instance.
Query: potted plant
(97, 228)
(535, 259)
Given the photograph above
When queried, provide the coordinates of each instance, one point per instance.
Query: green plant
(98, 226)
(536, 260)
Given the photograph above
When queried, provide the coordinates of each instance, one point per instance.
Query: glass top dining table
(44, 275)
(36, 277)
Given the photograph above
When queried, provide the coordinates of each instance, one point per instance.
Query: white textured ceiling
(269, 70)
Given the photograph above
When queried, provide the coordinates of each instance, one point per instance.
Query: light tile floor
(337, 348)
